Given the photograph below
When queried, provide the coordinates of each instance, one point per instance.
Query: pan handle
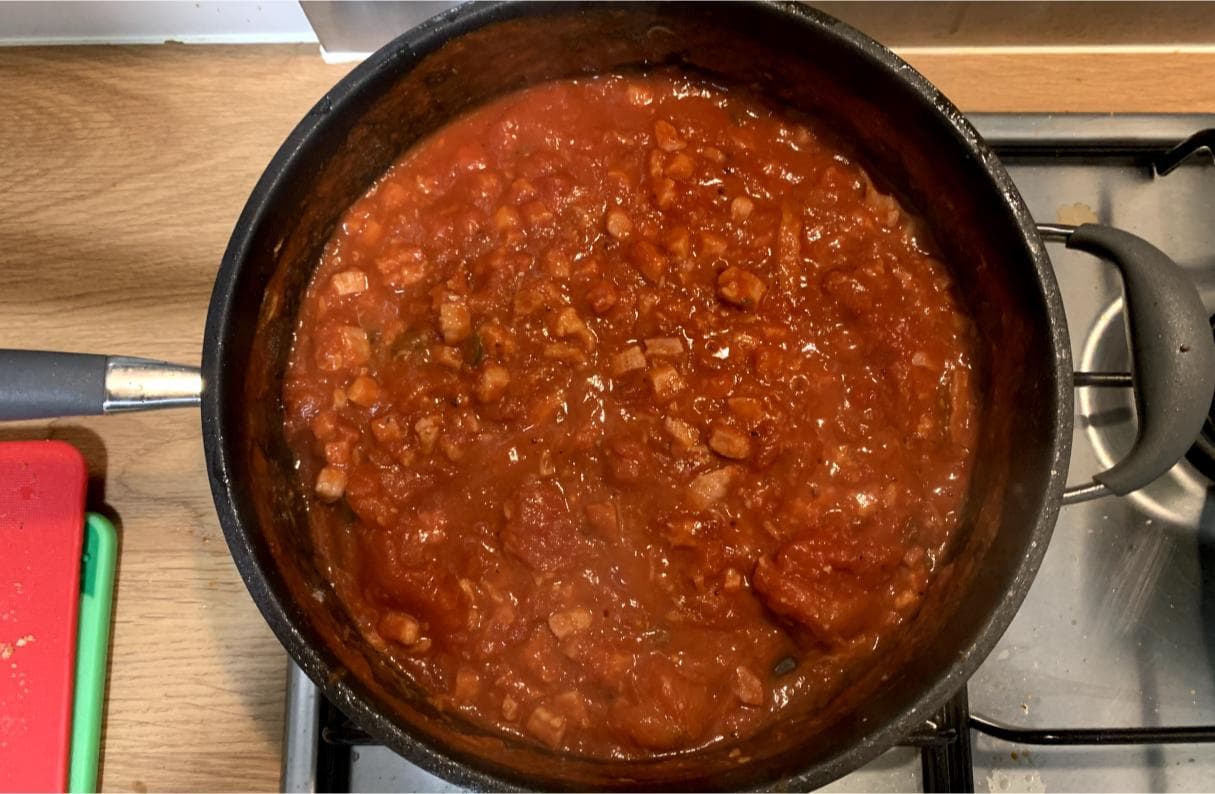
(36, 384)
(1172, 350)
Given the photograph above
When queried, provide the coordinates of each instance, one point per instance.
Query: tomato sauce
(633, 413)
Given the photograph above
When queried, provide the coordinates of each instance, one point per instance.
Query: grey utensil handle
(1172, 351)
(37, 384)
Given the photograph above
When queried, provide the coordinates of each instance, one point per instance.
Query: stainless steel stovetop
(1118, 630)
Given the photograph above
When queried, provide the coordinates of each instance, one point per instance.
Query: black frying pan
(907, 133)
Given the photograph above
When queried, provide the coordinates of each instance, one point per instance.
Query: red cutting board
(42, 487)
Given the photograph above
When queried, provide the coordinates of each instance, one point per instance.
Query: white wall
(124, 22)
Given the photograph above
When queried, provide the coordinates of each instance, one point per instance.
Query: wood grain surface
(122, 170)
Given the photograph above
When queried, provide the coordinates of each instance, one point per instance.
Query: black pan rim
(398, 56)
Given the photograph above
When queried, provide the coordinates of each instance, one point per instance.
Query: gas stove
(1106, 678)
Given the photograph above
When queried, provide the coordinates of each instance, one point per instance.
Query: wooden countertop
(122, 171)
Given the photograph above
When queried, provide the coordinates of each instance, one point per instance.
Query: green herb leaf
(473, 350)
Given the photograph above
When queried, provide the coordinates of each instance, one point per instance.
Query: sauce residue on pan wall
(633, 412)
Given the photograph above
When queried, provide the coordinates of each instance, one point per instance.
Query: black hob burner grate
(945, 743)
(1119, 628)
(946, 763)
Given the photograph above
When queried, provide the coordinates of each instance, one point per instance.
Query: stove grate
(944, 742)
